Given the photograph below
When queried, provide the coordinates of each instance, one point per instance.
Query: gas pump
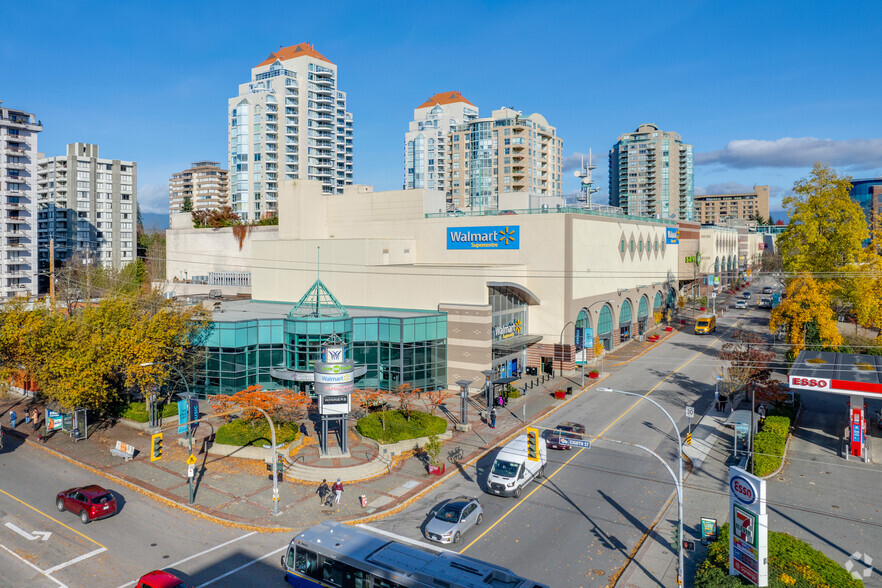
(857, 428)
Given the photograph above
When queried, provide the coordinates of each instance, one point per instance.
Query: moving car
(512, 469)
(706, 323)
(741, 303)
(450, 522)
(160, 579)
(90, 502)
(767, 290)
(746, 294)
(566, 430)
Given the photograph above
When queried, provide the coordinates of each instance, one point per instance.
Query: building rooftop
(444, 98)
(233, 311)
(292, 52)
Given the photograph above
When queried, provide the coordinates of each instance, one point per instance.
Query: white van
(512, 470)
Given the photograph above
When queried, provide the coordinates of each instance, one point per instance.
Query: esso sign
(743, 490)
(814, 383)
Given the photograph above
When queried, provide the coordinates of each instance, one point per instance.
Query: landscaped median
(792, 563)
(769, 445)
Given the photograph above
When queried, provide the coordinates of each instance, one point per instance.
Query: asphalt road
(578, 527)
(143, 536)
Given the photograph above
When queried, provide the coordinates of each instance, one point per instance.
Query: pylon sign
(334, 379)
(748, 527)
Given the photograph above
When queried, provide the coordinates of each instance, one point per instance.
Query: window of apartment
(126, 226)
(82, 164)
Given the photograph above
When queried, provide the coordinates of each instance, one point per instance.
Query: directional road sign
(575, 442)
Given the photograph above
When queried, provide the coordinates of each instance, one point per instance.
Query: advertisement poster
(54, 421)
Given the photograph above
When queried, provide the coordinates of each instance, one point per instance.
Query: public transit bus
(335, 555)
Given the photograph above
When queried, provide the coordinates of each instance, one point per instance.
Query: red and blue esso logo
(743, 490)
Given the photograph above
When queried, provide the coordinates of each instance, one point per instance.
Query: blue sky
(762, 89)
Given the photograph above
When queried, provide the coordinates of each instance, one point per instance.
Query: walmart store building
(422, 297)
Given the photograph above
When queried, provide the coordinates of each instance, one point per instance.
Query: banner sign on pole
(182, 416)
(579, 340)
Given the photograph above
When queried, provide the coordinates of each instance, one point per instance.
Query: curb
(401, 506)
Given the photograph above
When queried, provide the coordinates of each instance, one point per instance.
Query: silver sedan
(450, 522)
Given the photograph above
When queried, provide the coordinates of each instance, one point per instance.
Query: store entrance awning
(516, 343)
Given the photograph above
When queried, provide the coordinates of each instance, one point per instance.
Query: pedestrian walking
(12, 418)
(492, 418)
(35, 415)
(762, 413)
(724, 400)
(338, 491)
(322, 491)
(305, 433)
(717, 400)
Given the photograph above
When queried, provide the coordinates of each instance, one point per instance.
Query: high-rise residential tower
(18, 191)
(426, 150)
(650, 174)
(506, 161)
(288, 122)
(89, 206)
(204, 186)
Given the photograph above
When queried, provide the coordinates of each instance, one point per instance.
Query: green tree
(826, 228)
(187, 205)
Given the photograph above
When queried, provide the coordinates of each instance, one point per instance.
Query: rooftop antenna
(587, 185)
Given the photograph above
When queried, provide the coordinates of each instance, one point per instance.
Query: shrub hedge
(792, 563)
(254, 432)
(398, 428)
(769, 445)
(137, 411)
(512, 392)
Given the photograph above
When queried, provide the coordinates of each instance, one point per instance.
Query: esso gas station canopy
(850, 374)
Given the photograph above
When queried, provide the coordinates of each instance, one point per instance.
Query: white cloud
(724, 188)
(153, 198)
(796, 152)
(576, 160)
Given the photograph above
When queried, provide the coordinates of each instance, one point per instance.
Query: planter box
(437, 470)
(702, 308)
(669, 329)
(593, 375)
(652, 338)
(560, 394)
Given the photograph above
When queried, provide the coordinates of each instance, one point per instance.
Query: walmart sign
(672, 236)
(484, 237)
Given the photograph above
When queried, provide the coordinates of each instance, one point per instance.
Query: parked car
(742, 303)
(450, 522)
(506, 212)
(567, 430)
(90, 502)
(160, 579)
(767, 290)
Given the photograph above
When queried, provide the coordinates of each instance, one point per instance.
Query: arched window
(643, 309)
(657, 304)
(625, 314)
(605, 321)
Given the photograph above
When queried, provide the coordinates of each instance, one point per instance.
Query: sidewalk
(706, 494)
(238, 491)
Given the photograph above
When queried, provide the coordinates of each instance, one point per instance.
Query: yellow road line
(542, 483)
(51, 518)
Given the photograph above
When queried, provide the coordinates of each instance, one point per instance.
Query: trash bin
(363, 500)
(569, 390)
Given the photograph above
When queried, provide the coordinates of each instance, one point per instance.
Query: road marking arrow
(44, 535)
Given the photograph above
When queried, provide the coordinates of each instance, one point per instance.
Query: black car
(566, 429)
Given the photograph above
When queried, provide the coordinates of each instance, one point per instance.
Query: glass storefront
(508, 331)
(395, 346)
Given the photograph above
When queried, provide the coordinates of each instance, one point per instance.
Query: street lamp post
(679, 468)
(463, 405)
(189, 413)
(489, 384)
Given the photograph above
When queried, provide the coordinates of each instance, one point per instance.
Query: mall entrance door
(547, 365)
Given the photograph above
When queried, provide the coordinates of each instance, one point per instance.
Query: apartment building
(288, 122)
(204, 186)
(18, 190)
(89, 206)
(651, 175)
(718, 208)
(425, 144)
(506, 161)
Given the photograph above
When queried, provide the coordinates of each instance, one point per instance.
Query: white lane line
(60, 584)
(242, 567)
(195, 555)
(76, 559)
(403, 538)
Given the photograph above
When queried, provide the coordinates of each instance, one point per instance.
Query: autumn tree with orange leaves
(437, 398)
(367, 398)
(280, 405)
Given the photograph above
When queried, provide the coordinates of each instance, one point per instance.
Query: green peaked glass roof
(318, 302)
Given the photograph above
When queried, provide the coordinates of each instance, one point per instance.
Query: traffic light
(155, 446)
(533, 444)
(689, 546)
(280, 464)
